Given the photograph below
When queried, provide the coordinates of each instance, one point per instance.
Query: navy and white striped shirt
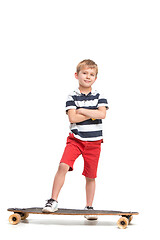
(89, 130)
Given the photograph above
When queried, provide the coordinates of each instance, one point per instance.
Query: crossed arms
(83, 114)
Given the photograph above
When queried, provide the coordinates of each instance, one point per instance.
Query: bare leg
(90, 191)
(59, 180)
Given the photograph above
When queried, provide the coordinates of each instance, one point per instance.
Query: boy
(86, 109)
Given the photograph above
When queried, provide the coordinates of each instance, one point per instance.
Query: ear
(76, 75)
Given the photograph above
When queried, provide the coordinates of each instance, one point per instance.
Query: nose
(88, 76)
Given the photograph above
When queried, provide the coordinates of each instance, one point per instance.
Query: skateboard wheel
(24, 216)
(130, 219)
(122, 222)
(14, 218)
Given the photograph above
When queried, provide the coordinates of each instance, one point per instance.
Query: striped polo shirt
(89, 130)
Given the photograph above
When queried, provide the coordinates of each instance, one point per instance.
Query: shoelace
(49, 202)
(89, 208)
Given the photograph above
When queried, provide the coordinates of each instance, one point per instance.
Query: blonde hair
(87, 62)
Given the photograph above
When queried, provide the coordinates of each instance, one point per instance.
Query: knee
(63, 168)
(90, 179)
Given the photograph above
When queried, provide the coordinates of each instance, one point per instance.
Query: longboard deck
(23, 213)
(65, 211)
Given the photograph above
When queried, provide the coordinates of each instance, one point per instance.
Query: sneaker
(90, 217)
(51, 206)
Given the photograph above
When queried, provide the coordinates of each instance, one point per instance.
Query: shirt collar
(77, 91)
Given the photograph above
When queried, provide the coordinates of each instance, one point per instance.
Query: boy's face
(86, 77)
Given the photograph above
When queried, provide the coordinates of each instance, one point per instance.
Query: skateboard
(23, 213)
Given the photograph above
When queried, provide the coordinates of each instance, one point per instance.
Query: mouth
(87, 81)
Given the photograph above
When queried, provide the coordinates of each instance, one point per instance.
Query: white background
(40, 45)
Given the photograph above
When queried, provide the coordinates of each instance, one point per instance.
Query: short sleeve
(70, 103)
(102, 101)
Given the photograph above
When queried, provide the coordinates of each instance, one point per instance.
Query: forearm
(75, 117)
(79, 118)
(95, 114)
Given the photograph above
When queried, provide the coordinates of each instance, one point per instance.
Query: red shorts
(90, 151)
